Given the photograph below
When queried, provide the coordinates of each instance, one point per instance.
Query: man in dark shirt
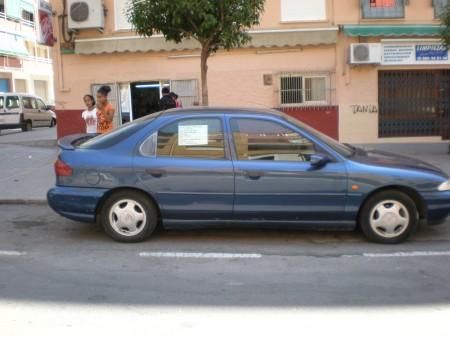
(166, 102)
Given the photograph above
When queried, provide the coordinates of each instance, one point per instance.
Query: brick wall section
(69, 122)
(322, 118)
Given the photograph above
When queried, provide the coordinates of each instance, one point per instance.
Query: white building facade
(25, 57)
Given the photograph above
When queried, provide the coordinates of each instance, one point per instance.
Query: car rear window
(114, 137)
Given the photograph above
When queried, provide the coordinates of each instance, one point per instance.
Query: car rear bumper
(79, 204)
(438, 206)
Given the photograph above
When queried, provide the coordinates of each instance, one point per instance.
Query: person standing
(90, 114)
(105, 110)
(178, 103)
(166, 102)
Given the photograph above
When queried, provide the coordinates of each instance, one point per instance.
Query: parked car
(24, 111)
(214, 166)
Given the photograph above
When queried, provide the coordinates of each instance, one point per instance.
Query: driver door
(274, 180)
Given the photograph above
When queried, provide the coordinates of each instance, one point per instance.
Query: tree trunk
(204, 74)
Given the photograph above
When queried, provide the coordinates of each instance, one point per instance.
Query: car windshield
(111, 138)
(344, 150)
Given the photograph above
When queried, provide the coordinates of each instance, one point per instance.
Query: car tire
(28, 126)
(53, 123)
(388, 217)
(129, 216)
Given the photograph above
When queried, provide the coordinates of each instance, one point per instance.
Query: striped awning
(392, 30)
(260, 39)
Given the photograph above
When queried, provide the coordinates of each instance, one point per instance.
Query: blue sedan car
(223, 166)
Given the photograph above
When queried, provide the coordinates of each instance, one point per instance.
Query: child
(90, 115)
(105, 110)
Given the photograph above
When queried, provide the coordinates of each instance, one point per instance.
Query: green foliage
(445, 33)
(214, 23)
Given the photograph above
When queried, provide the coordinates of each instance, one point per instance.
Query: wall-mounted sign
(45, 24)
(419, 53)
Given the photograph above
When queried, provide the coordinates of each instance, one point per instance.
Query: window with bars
(382, 9)
(298, 89)
(27, 16)
(439, 7)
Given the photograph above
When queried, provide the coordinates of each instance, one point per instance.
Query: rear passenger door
(30, 110)
(186, 166)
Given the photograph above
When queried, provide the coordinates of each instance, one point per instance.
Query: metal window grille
(439, 7)
(299, 89)
(187, 91)
(382, 9)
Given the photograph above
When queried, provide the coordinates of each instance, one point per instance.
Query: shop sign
(420, 53)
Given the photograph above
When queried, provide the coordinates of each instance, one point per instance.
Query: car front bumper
(438, 206)
(79, 204)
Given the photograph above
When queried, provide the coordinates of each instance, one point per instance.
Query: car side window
(34, 103)
(27, 103)
(41, 105)
(192, 138)
(266, 140)
(12, 102)
(2, 102)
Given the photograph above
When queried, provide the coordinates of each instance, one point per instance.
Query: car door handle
(253, 175)
(156, 173)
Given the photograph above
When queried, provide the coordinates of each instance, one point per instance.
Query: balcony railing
(439, 7)
(383, 9)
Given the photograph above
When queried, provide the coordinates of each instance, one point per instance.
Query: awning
(27, 5)
(12, 45)
(392, 30)
(260, 39)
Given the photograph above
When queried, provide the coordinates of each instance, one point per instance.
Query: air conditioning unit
(365, 53)
(85, 14)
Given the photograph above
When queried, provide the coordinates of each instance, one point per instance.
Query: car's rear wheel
(27, 126)
(389, 217)
(129, 216)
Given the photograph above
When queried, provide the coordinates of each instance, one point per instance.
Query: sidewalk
(26, 162)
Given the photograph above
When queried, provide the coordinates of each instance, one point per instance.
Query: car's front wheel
(129, 216)
(389, 217)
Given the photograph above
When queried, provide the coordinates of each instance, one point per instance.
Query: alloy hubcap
(127, 217)
(389, 219)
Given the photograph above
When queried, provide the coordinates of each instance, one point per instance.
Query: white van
(24, 111)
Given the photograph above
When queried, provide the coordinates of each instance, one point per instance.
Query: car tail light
(62, 169)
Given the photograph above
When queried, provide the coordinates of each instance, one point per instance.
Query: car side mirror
(319, 160)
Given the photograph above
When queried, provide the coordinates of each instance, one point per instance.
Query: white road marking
(12, 253)
(200, 255)
(408, 254)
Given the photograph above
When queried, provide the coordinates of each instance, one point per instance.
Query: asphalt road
(62, 278)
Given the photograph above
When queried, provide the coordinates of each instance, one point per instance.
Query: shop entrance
(145, 98)
(414, 103)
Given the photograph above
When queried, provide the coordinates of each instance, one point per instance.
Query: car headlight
(445, 186)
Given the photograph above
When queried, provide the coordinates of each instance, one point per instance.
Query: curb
(37, 202)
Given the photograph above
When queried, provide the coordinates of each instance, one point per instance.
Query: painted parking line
(199, 255)
(408, 254)
(202, 255)
(12, 253)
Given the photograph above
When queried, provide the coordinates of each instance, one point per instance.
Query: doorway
(145, 98)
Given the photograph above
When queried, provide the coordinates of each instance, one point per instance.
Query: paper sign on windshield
(189, 135)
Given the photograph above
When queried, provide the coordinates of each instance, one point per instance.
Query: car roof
(222, 110)
(19, 94)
